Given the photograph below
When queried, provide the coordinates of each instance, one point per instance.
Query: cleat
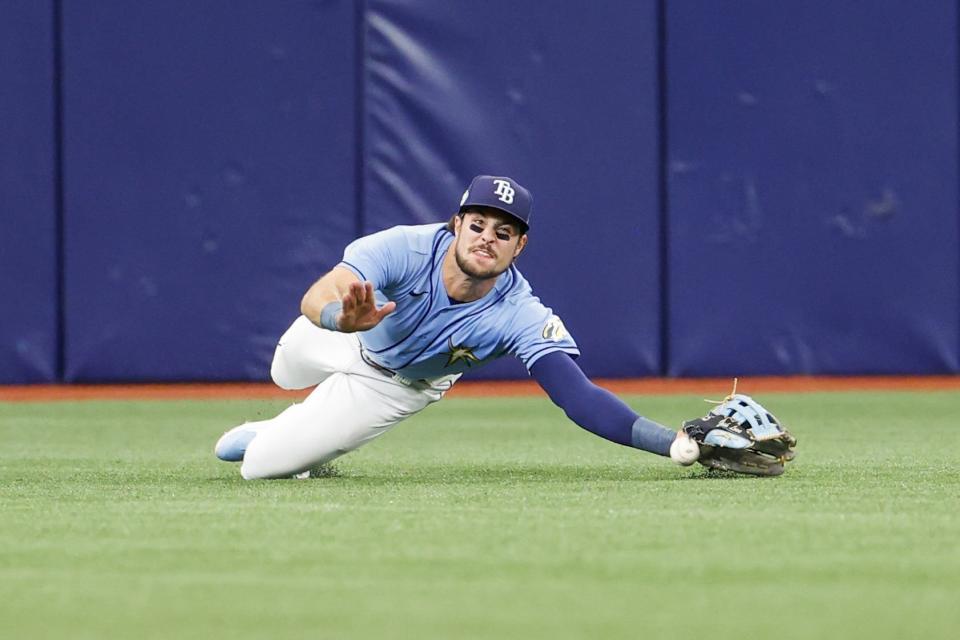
(232, 445)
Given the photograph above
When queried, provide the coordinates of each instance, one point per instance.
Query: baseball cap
(499, 192)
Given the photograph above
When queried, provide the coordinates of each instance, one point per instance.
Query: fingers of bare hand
(386, 310)
(361, 292)
(357, 291)
(347, 303)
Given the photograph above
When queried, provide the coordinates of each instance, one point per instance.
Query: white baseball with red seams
(684, 450)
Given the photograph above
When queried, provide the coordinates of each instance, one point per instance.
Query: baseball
(684, 450)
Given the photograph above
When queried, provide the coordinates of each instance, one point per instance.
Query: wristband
(651, 436)
(328, 316)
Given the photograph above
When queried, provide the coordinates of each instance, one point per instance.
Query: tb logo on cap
(504, 191)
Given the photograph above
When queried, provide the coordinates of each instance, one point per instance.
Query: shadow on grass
(373, 475)
(539, 473)
(485, 473)
(717, 475)
(495, 474)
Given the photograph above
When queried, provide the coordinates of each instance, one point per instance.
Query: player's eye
(476, 228)
(503, 235)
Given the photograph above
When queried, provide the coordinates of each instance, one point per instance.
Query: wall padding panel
(209, 179)
(562, 99)
(28, 218)
(813, 187)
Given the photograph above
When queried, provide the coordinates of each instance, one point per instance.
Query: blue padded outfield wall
(813, 187)
(720, 187)
(455, 89)
(28, 214)
(209, 178)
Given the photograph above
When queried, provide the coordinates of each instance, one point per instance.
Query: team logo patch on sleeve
(554, 330)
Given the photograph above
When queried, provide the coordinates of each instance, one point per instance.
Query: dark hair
(450, 222)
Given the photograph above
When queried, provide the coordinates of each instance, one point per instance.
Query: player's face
(487, 243)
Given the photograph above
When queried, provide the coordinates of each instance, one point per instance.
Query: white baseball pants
(352, 404)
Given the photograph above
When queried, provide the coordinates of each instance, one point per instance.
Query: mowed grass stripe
(479, 518)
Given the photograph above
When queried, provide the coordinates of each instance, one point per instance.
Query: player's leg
(306, 354)
(344, 412)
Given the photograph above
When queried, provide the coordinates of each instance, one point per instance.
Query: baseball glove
(740, 435)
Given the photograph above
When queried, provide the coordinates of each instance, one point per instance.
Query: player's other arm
(340, 301)
(596, 409)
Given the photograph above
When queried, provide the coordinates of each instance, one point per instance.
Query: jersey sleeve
(539, 332)
(380, 258)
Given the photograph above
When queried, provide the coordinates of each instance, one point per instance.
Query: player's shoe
(232, 445)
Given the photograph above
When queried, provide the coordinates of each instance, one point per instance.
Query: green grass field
(480, 519)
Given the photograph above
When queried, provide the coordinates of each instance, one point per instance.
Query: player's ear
(520, 245)
(455, 223)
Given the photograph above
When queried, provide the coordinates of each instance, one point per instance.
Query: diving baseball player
(392, 327)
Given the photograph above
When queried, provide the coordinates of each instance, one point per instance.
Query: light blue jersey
(428, 336)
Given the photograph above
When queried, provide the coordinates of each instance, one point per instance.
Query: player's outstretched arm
(596, 409)
(339, 301)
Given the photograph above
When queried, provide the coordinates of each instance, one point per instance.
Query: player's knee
(254, 467)
(248, 473)
(282, 373)
(259, 467)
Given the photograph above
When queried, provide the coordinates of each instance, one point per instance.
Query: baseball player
(392, 327)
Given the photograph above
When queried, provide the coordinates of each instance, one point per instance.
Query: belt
(409, 382)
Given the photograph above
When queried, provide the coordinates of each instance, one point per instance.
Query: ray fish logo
(459, 352)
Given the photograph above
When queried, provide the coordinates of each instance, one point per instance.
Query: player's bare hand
(360, 311)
